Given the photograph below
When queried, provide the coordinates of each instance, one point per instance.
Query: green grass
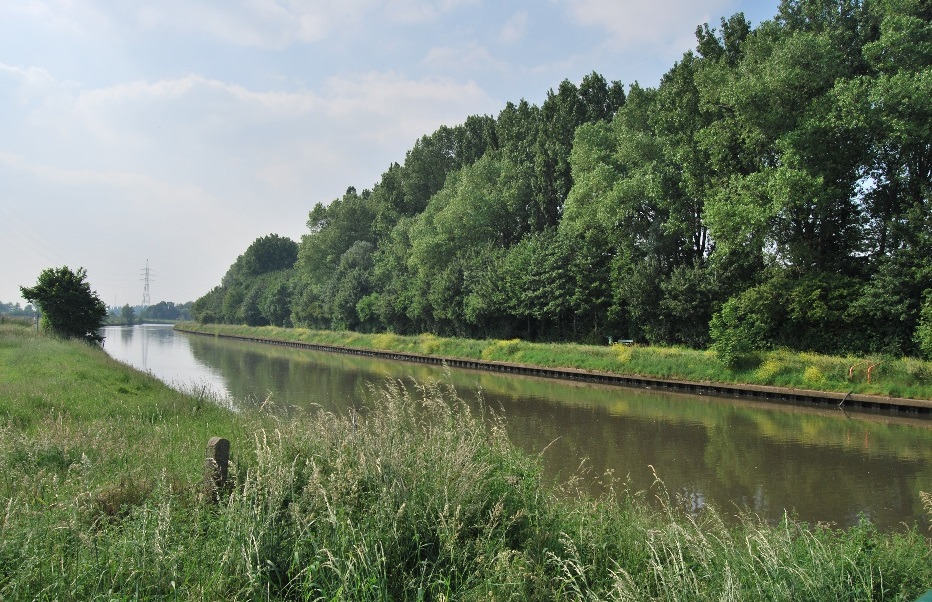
(415, 498)
(889, 376)
(16, 320)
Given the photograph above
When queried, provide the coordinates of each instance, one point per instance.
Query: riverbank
(873, 382)
(102, 495)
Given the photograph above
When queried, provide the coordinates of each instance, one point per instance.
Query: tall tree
(334, 229)
(560, 115)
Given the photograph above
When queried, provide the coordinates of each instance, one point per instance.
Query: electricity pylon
(145, 290)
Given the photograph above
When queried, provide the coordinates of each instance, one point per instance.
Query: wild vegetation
(413, 498)
(772, 191)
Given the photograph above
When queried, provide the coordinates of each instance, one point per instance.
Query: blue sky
(179, 131)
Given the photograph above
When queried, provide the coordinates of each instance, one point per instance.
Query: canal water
(816, 464)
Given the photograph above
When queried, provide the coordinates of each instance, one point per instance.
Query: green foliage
(350, 284)
(742, 326)
(886, 308)
(806, 312)
(266, 254)
(274, 304)
(255, 290)
(167, 310)
(128, 314)
(785, 167)
(924, 329)
(69, 307)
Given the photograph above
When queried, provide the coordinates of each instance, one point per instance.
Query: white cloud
(30, 76)
(197, 156)
(259, 24)
(249, 23)
(207, 114)
(29, 87)
(471, 58)
(67, 17)
(109, 222)
(278, 24)
(384, 102)
(125, 183)
(638, 22)
(422, 11)
(514, 29)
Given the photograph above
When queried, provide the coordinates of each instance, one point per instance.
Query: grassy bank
(893, 377)
(120, 321)
(100, 496)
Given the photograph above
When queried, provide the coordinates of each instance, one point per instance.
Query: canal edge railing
(921, 407)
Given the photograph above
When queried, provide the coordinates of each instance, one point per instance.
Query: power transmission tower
(145, 291)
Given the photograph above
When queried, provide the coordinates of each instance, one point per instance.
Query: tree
(350, 283)
(275, 303)
(69, 307)
(163, 310)
(269, 254)
(129, 314)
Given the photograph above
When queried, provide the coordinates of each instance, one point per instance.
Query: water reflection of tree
(284, 376)
(762, 458)
(817, 480)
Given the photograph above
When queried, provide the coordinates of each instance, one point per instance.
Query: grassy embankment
(100, 496)
(893, 377)
(120, 321)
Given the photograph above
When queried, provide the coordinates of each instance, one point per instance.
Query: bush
(924, 329)
(743, 326)
(69, 307)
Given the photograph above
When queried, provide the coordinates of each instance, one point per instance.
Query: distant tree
(69, 307)
(163, 310)
(208, 309)
(184, 310)
(129, 314)
(14, 309)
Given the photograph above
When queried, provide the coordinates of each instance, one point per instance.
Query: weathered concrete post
(216, 467)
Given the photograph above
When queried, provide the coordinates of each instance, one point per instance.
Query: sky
(174, 133)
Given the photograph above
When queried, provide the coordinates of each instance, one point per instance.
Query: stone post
(216, 467)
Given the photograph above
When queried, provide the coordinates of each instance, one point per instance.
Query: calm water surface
(817, 464)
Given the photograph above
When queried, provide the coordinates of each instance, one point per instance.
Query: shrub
(924, 329)
(742, 326)
(69, 307)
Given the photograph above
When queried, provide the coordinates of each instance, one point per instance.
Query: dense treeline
(163, 310)
(167, 310)
(772, 190)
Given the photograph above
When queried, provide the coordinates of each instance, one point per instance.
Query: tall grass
(413, 498)
(878, 375)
